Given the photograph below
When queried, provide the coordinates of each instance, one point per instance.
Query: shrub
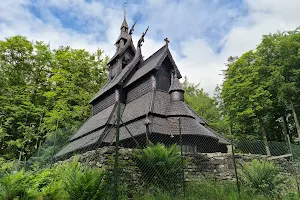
(160, 165)
(262, 176)
(13, 185)
(46, 184)
(80, 182)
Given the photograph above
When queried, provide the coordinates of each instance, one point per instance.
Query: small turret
(176, 91)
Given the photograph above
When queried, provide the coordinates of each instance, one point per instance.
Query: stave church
(150, 100)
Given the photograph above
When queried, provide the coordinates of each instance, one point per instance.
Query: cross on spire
(167, 41)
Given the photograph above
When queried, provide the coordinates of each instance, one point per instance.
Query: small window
(163, 82)
(124, 62)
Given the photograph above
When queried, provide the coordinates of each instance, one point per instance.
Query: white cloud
(16, 19)
(185, 22)
(203, 65)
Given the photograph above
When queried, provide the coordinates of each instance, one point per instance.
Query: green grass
(207, 190)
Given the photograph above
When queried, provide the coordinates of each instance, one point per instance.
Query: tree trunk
(295, 118)
(285, 128)
(264, 134)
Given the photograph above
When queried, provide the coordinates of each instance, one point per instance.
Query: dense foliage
(261, 89)
(67, 181)
(73, 180)
(210, 109)
(161, 166)
(262, 177)
(43, 91)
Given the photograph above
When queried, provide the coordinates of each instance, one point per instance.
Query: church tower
(125, 49)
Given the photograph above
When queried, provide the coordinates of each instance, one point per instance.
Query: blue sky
(203, 33)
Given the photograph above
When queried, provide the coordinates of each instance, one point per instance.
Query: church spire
(124, 35)
(124, 26)
(125, 9)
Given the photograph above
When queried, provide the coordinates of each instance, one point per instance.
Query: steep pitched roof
(189, 126)
(137, 107)
(222, 138)
(120, 77)
(178, 108)
(123, 49)
(196, 116)
(136, 128)
(81, 143)
(153, 62)
(160, 125)
(124, 23)
(94, 122)
(161, 102)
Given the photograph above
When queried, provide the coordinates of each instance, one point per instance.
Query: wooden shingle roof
(135, 111)
(151, 63)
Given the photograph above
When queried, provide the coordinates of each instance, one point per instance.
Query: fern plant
(13, 185)
(160, 165)
(46, 184)
(262, 176)
(82, 183)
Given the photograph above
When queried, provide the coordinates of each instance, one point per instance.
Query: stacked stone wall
(217, 166)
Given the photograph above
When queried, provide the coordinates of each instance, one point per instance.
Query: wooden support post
(181, 155)
(116, 171)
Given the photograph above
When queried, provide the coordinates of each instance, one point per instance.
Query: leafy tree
(23, 83)
(246, 92)
(204, 105)
(44, 94)
(262, 86)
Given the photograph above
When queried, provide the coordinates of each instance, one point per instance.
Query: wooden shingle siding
(101, 104)
(139, 89)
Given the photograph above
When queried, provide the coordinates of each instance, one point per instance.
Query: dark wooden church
(151, 101)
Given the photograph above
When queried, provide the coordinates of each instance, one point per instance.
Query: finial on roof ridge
(166, 40)
(132, 28)
(141, 40)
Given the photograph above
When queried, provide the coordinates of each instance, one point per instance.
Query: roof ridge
(160, 52)
(153, 55)
(173, 62)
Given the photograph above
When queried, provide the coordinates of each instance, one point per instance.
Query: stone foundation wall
(217, 166)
